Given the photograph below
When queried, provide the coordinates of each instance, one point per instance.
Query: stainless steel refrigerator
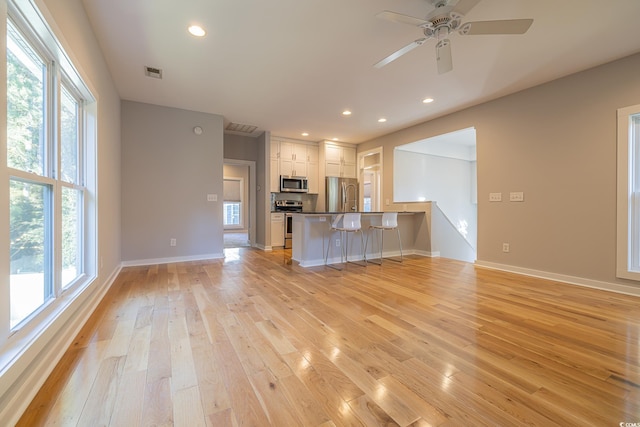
(341, 194)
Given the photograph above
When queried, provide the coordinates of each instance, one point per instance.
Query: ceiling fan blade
(398, 53)
(464, 6)
(443, 56)
(508, 26)
(402, 19)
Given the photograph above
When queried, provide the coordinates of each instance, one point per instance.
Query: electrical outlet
(505, 247)
(322, 219)
(172, 242)
(495, 197)
(337, 242)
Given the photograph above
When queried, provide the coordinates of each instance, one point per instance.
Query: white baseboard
(572, 280)
(435, 254)
(35, 363)
(152, 261)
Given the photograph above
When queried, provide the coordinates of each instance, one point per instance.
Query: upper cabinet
(312, 169)
(274, 181)
(340, 160)
(294, 158)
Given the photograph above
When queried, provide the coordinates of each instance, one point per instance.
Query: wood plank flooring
(256, 341)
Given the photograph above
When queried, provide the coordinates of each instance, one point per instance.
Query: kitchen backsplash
(309, 201)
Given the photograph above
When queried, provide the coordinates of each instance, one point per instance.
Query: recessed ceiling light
(346, 113)
(305, 134)
(335, 139)
(427, 100)
(197, 31)
(382, 120)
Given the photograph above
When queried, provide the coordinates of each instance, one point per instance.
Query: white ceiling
(292, 66)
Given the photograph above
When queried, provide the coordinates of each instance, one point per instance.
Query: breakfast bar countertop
(311, 232)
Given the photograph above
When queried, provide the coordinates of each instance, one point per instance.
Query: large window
(628, 245)
(47, 175)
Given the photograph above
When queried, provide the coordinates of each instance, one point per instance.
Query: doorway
(239, 210)
(442, 169)
(370, 178)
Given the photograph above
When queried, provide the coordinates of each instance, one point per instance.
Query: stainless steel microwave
(294, 184)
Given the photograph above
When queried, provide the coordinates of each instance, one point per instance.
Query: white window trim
(16, 342)
(628, 234)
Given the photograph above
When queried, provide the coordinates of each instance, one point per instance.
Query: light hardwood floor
(256, 341)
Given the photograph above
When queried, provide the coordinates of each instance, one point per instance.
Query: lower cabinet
(277, 229)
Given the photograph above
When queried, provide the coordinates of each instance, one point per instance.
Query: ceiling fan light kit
(445, 19)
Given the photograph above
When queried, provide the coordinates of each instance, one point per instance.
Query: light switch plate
(495, 197)
(516, 196)
(212, 197)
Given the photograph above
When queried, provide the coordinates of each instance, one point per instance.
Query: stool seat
(346, 223)
(389, 221)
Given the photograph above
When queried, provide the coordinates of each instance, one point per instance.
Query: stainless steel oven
(288, 207)
(288, 230)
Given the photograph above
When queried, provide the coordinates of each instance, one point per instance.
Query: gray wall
(240, 147)
(167, 172)
(556, 143)
(263, 199)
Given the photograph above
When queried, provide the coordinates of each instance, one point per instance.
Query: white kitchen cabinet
(274, 181)
(312, 153)
(313, 178)
(291, 158)
(313, 170)
(340, 161)
(277, 229)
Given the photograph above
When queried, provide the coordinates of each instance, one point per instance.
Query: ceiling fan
(445, 19)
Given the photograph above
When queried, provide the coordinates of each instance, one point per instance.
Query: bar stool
(389, 222)
(350, 224)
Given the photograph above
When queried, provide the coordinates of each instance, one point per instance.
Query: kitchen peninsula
(311, 232)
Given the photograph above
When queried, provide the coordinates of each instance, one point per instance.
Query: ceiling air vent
(156, 73)
(237, 127)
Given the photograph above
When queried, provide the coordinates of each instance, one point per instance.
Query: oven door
(288, 230)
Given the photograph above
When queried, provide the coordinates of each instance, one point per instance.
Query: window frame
(628, 194)
(32, 26)
(231, 226)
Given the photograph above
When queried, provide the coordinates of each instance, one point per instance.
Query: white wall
(447, 181)
(167, 173)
